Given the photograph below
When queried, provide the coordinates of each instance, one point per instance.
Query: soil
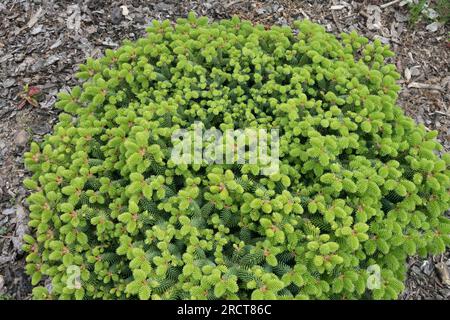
(42, 43)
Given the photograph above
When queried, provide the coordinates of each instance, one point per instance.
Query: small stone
(21, 138)
(8, 83)
(427, 267)
(443, 272)
(116, 15)
(125, 11)
(433, 27)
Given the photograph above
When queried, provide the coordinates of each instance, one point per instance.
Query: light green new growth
(360, 184)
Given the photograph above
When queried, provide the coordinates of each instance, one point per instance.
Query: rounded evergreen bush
(360, 186)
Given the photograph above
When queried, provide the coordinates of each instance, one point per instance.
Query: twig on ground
(337, 7)
(364, 14)
(418, 85)
(389, 4)
(441, 113)
(303, 13)
(232, 3)
(336, 22)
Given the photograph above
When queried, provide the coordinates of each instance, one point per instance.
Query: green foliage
(430, 10)
(415, 10)
(443, 9)
(5, 297)
(360, 184)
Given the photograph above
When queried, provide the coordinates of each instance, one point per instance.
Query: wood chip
(232, 3)
(303, 13)
(389, 4)
(418, 85)
(336, 21)
(34, 18)
(337, 7)
(74, 20)
(407, 74)
(374, 17)
(2, 283)
(441, 113)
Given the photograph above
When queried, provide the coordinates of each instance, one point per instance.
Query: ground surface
(42, 42)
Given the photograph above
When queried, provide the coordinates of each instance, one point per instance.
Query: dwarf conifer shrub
(360, 186)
